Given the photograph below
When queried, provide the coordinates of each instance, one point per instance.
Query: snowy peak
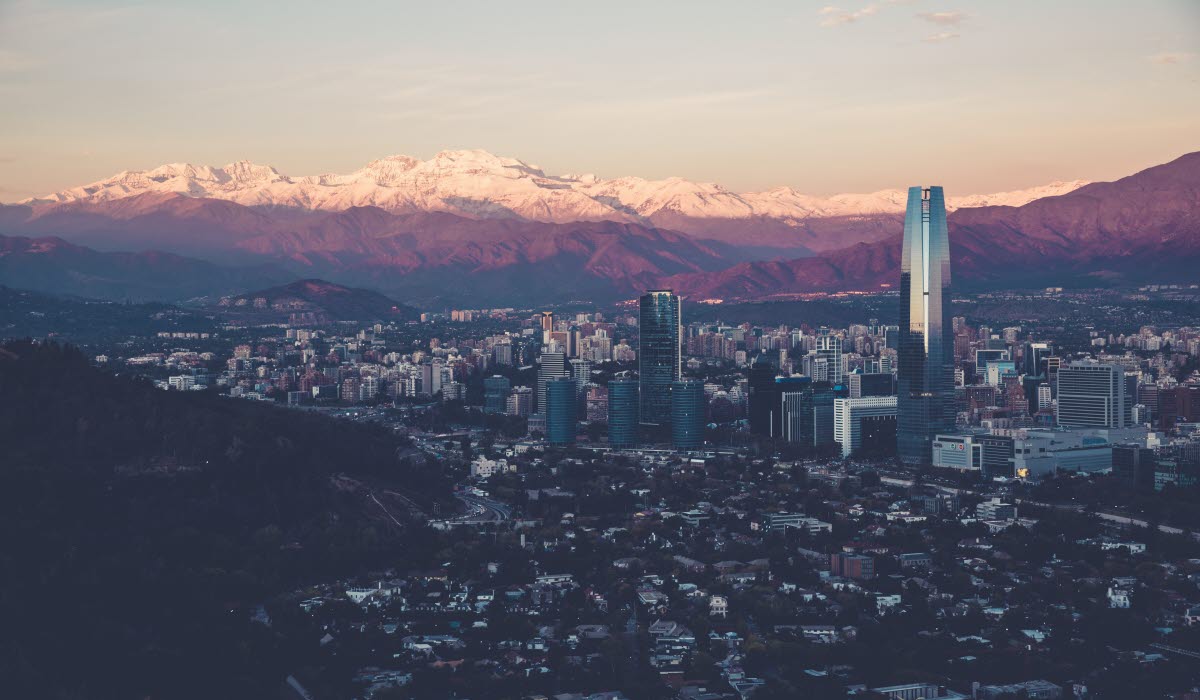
(479, 184)
(1018, 197)
(243, 171)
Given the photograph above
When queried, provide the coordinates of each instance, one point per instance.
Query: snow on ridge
(480, 184)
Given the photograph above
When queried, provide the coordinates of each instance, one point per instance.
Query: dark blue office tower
(687, 414)
(560, 411)
(623, 413)
(659, 354)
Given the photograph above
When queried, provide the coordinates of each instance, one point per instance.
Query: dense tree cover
(139, 528)
(1174, 505)
(26, 313)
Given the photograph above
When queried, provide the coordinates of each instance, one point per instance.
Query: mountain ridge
(478, 184)
(1102, 233)
(1136, 228)
(55, 266)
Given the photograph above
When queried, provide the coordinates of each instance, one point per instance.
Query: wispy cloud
(14, 62)
(952, 18)
(834, 16)
(1170, 58)
(940, 36)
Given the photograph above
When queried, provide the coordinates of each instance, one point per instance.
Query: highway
(1104, 515)
(481, 510)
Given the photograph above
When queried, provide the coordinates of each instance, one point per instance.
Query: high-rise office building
(623, 413)
(573, 338)
(502, 353)
(561, 402)
(862, 385)
(804, 412)
(495, 393)
(1033, 356)
(581, 371)
(849, 416)
(688, 406)
(1044, 398)
(891, 337)
(1091, 395)
(829, 349)
(764, 395)
(553, 365)
(925, 405)
(660, 354)
(547, 325)
(520, 401)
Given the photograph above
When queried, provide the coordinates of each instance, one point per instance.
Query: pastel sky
(859, 96)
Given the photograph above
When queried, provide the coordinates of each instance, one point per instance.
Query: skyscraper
(874, 384)
(925, 405)
(1032, 357)
(495, 393)
(792, 416)
(660, 353)
(573, 338)
(764, 395)
(622, 413)
(851, 416)
(561, 402)
(829, 348)
(520, 401)
(581, 371)
(687, 414)
(1092, 395)
(553, 366)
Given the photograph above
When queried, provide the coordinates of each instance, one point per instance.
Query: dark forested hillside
(139, 527)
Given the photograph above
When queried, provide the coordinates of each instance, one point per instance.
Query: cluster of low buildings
(680, 583)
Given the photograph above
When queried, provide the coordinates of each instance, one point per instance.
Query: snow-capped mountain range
(478, 184)
(465, 226)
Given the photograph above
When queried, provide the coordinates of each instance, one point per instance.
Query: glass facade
(926, 344)
(553, 365)
(687, 414)
(764, 396)
(659, 353)
(622, 413)
(560, 411)
(495, 394)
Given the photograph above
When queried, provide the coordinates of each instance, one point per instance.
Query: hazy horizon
(822, 99)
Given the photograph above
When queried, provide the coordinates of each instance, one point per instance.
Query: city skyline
(412, 351)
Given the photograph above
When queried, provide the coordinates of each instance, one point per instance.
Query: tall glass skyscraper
(660, 355)
(764, 395)
(622, 413)
(495, 393)
(925, 405)
(687, 414)
(560, 411)
(829, 348)
(553, 365)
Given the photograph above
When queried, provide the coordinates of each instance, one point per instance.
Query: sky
(854, 97)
